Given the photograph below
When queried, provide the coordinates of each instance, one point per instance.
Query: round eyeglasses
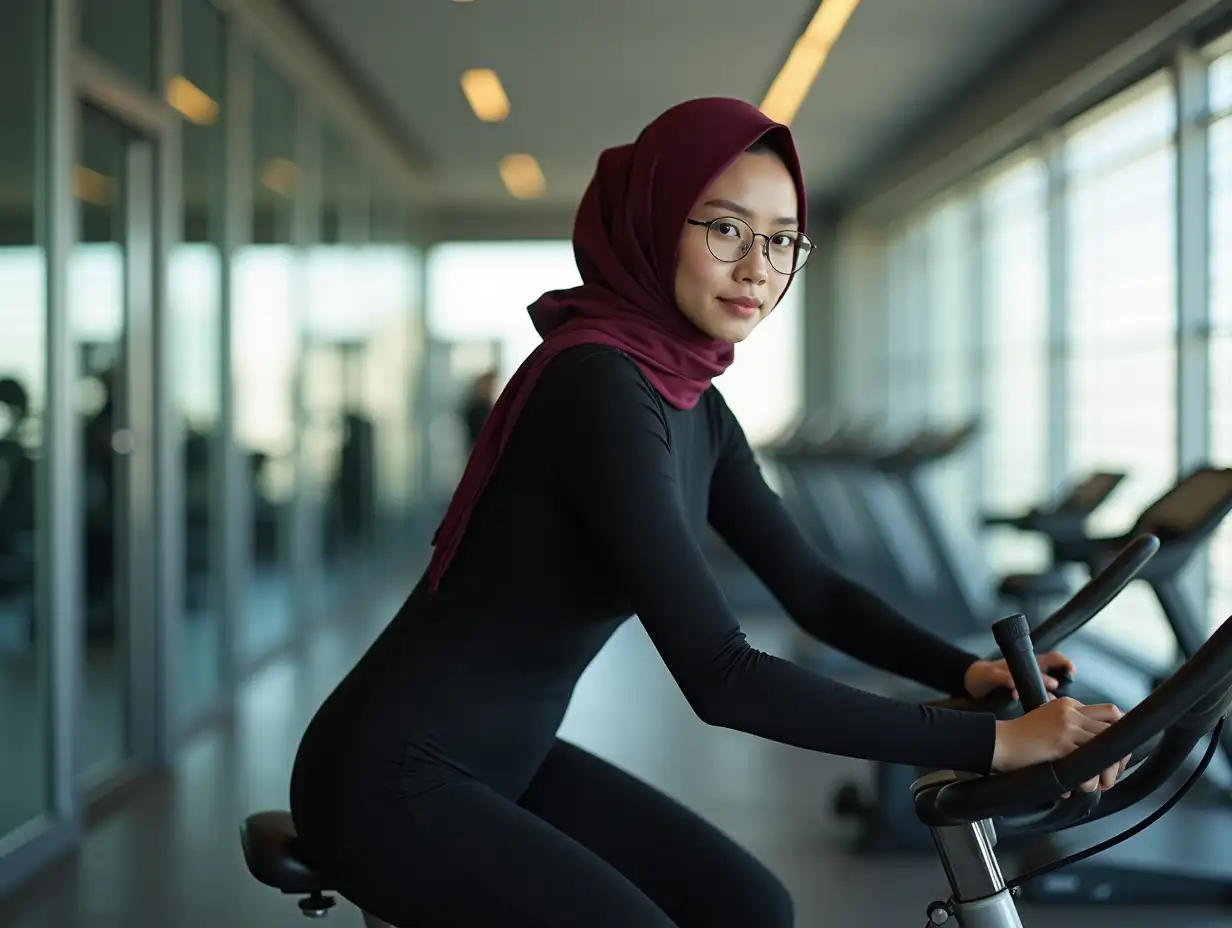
(729, 239)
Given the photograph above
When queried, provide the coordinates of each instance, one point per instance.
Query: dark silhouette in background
(478, 405)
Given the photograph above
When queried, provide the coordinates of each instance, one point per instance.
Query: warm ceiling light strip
(485, 94)
(522, 176)
(791, 86)
(191, 102)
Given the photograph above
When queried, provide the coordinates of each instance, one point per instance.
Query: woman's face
(727, 300)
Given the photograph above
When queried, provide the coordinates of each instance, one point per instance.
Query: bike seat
(274, 856)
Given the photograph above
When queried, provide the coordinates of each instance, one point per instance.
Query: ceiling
(582, 76)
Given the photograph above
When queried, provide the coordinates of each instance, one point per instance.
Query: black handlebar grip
(1207, 676)
(1013, 635)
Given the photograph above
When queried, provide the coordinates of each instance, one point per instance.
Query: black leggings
(587, 846)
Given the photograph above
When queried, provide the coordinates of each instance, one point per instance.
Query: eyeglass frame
(706, 224)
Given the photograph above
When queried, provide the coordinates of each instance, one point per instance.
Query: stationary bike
(963, 812)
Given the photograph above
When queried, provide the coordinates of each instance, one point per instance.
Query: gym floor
(170, 855)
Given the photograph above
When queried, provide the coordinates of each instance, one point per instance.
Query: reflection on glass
(96, 297)
(124, 33)
(264, 350)
(1016, 358)
(1122, 314)
(25, 725)
(194, 280)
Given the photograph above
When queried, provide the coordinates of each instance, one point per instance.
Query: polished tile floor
(170, 857)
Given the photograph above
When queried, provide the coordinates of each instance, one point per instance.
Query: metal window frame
(146, 120)
(33, 846)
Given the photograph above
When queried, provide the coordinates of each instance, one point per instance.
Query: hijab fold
(626, 238)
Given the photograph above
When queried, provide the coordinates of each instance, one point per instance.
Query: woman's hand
(1051, 732)
(983, 677)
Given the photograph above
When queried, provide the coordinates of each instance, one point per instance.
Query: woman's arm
(754, 522)
(615, 466)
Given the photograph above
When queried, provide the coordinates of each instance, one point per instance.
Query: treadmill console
(1087, 496)
(1196, 505)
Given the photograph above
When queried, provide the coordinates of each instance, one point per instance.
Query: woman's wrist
(1001, 746)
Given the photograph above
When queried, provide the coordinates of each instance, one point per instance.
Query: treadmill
(951, 576)
(886, 823)
(831, 513)
(1185, 857)
(1063, 520)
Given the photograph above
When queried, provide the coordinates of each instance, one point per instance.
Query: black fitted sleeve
(751, 518)
(615, 466)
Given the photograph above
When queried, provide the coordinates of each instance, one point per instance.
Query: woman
(431, 785)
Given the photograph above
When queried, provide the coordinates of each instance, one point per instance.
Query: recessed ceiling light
(522, 176)
(484, 93)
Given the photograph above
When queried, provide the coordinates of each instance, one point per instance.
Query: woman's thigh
(690, 869)
(462, 856)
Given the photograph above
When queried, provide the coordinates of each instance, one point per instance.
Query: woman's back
(475, 678)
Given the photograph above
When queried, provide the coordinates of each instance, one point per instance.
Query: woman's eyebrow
(746, 213)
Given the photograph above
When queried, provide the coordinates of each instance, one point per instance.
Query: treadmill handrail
(929, 446)
(1207, 676)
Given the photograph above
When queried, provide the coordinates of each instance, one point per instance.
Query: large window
(861, 282)
(1221, 317)
(1015, 300)
(947, 334)
(1120, 209)
(906, 341)
(764, 385)
(479, 292)
(949, 326)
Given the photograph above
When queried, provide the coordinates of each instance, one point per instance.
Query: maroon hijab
(626, 238)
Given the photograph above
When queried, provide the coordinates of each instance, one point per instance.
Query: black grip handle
(1099, 591)
(1013, 635)
(1204, 678)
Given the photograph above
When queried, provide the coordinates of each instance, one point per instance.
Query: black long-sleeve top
(596, 512)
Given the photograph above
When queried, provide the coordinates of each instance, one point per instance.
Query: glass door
(111, 310)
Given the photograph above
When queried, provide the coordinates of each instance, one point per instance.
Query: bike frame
(979, 897)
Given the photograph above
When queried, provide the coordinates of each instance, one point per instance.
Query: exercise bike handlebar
(1083, 606)
(1184, 708)
(1095, 596)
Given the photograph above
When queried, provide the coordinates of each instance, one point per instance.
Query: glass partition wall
(182, 410)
